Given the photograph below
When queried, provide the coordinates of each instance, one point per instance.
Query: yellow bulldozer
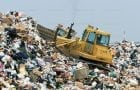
(93, 46)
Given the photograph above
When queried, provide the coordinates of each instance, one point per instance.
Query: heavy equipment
(94, 44)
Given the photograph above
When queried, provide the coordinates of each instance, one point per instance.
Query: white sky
(114, 16)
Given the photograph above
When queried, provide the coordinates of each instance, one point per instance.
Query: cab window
(91, 37)
(61, 32)
(102, 40)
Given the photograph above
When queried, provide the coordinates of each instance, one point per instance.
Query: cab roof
(97, 30)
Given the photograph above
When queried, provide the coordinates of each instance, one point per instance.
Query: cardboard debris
(81, 73)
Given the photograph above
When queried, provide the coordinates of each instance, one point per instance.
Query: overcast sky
(114, 16)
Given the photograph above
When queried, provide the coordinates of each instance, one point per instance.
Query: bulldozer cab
(60, 31)
(95, 45)
(64, 35)
(65, 32)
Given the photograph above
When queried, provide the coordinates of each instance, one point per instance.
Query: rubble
(28, 62)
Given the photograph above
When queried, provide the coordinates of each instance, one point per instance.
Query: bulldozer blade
(46, 33)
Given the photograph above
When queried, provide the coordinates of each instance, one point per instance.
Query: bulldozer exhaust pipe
(70, 30)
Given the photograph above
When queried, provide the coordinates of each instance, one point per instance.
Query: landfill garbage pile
(28, 62)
